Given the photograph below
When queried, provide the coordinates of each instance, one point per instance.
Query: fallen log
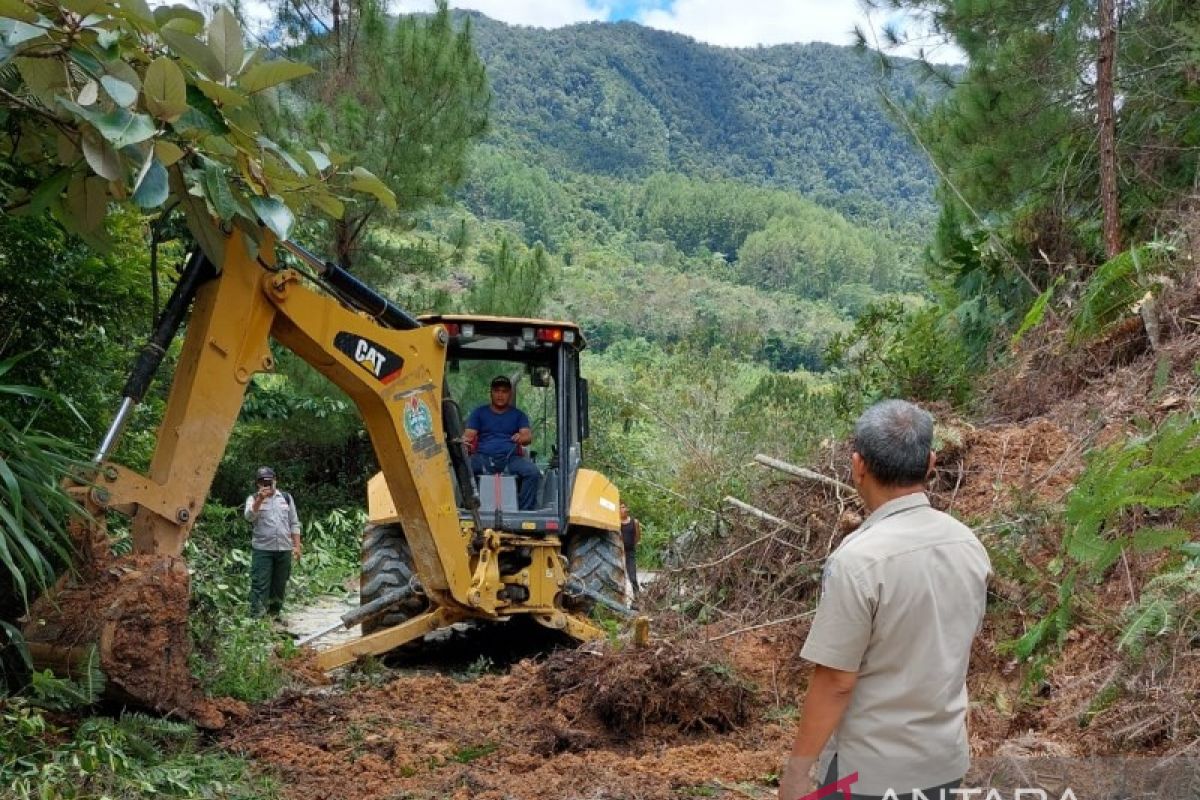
(760, 514)
(807, 474)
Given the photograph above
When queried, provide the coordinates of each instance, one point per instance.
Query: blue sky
(629, 9)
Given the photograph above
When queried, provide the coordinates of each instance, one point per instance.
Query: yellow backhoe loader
(443, 546)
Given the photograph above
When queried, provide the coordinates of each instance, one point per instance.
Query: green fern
(1115, 286)
(48, 691)
(1036, 313)
(1170, 603)
(1151, 473)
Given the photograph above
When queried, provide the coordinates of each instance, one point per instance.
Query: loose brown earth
(131, 611)
(535, 732)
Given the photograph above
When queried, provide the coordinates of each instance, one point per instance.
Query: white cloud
(751, 22)
(539, 13)
(747, 23)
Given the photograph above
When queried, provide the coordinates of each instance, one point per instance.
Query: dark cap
(264, 474)
(501, 380)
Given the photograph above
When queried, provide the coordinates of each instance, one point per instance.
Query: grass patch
(476, 751)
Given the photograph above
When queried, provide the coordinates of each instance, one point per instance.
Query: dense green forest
(628, 101)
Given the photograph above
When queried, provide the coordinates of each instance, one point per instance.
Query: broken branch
(801, 472)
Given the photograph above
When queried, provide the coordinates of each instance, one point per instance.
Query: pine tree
(404, 98)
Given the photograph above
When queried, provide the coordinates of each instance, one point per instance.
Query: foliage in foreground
(133, 756)
(33, 509)
(112, 102)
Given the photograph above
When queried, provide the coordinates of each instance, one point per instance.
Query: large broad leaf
(16, 9)
(152, 190)
(193, 51)
(225, 41)
(45, 77)
(49, 190)
(121, 92)
(102, 157)
(363, 180)
(23, 32)
(272, 147)
(275, 214)
(168, 152)
(89, 94)
(216, 189)
(320, 160)
(329, 204)
(139, 12)
(87, 199)
(272, 73)
(165, 89)
(120, 127)
(179, 18)
(221, 94)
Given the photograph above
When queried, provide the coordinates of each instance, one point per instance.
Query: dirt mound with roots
(691, 688)
(133, 611)
(672, 722)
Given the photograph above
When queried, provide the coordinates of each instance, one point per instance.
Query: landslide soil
(535, 731)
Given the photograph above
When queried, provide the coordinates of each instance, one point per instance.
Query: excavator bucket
(125, 617)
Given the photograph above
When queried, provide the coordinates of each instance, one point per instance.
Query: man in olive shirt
(275, 543)
(902, 599)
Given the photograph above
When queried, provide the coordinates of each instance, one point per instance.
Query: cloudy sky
(730, 23)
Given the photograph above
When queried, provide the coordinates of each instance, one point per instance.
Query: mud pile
(536, 732)
(133, 610)
(688, 687)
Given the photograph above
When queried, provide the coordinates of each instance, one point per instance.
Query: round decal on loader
(418, 424)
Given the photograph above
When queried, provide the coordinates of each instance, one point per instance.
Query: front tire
(597, 558)
(387, 565)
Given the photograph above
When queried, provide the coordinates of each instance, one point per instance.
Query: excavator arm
(394, 377)
(133, 609)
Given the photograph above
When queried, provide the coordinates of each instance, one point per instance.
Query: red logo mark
(842, 786)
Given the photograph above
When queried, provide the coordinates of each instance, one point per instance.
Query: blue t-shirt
(496, 430)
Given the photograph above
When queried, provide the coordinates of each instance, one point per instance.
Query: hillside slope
(624, 100)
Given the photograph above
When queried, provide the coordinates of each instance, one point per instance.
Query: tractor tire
(597, 558)
(387, 565)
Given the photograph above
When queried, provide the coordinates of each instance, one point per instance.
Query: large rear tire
(387, 565)
(597, 559)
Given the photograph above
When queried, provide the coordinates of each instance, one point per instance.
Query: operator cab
(541, 360)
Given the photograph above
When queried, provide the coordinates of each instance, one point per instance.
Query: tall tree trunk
(1105, 100)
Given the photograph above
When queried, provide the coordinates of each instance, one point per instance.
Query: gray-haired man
(902, 599)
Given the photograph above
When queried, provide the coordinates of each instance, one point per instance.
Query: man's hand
(796, 780)
(516, 437)
(296, 549)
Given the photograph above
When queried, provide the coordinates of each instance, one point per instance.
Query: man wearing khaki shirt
(901, 601)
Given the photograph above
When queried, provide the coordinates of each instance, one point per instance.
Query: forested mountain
(685, 192)
(625, 100)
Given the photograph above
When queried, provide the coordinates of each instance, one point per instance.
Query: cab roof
(516, 323)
